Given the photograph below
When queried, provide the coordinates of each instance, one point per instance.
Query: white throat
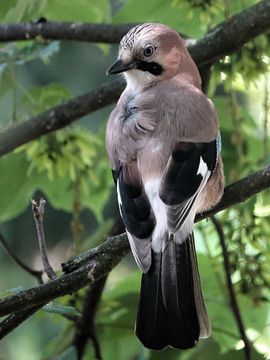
(137, 79)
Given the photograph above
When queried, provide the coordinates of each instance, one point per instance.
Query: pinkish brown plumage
(162, 144)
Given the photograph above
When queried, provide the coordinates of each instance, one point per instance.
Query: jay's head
(153, 52)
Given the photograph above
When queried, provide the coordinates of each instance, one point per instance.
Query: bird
(163, 145)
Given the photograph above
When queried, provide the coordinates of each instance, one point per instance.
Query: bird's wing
(189, 168)
(171, 307)
(136, 213)
(127, 130)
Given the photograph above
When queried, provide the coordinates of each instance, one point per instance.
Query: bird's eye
(148, 51)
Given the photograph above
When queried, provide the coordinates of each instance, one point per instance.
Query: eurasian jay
(163, 145)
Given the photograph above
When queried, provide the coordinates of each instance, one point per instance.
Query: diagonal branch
(102, 260)
(240, 191)
(97, 262)
(224, 39)
(59, 116)
(14, 320)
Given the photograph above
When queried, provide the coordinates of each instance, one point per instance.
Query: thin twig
(266, 107)
(86, 324)
(36, 273)
(86, 327)
(104, 258)
(232, 296)
(38, 212)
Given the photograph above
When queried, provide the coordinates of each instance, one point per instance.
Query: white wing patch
(185, 215)
(119, 198)
(159, 208)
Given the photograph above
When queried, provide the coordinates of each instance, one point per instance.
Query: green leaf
(25, 10)
(210, 349)
(254, 315)
(120, 344)
(84, 11)
(39, 99)
(119, 304)
(163, 12)
(71, 159)
(61, 309)
(219, 312)
(127, 285)
(16, 187)
(5, 7)
(20, 54)
(168, 354)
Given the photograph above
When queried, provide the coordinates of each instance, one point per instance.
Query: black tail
(171, 308)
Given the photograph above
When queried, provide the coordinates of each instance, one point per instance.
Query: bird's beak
(119, 66)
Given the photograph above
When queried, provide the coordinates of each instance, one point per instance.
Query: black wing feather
(181, 179)
(135, 208)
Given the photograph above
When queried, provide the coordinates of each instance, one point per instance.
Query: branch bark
(222, 39)
(85, 328)
(230, 35)
(38, 212)
(50, 30)
(240, 191)
(85, 325)
(227, 37)
(16, 319)
(97, 262)
(59, 116)
(101, 261)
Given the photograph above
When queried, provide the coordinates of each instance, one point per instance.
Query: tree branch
(227, 37)
(59, 116)
(50, 30)
(16, 319)
(72, 31)
(233, 301)
(240, 191)
(230, 35)
(38, 212)
(97, 262)
(101, 261)
(85, 328)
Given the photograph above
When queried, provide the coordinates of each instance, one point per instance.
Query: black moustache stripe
(151, 67)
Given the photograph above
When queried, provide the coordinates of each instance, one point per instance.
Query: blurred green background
(70, 169)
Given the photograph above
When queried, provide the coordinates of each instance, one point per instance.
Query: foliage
(71, 170)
